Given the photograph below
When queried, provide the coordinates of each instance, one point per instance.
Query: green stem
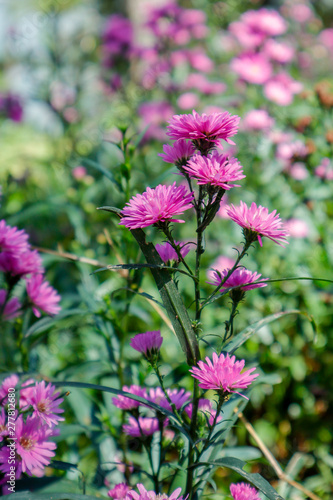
(229, 325)
(211, 430)
(193, 434)
(173, 406)
(168, 234)
(199, 252)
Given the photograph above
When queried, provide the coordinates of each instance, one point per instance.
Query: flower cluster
(18, 261)
(123, 492)
(32, 425)
(255, 32)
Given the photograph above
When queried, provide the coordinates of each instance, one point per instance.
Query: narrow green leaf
(118, 392)
(113, 210)
(100, 168)
(45, 323)
(256, 479)
(116, 267)
(243, 336)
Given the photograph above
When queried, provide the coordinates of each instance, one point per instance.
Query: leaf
(118, 392)
(243, 336)
(100, 168)
(116, 267)
(113, 210)
(45, 323)
(256, 479)
(27, 495)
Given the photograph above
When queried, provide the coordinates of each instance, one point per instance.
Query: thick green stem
(193, 434)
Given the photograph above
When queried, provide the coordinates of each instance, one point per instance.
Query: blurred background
(86, 89)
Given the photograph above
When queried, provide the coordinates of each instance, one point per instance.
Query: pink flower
(8, 383)
(144, 426)
(168, 254)
(205, 406)
(125, 403)
(265, 21)
(224, 374)
(243, 491)
(3, 424)
(178, 153)
(154, 114)
(297, 228)
(200, 61)
(239, 278)
(281, 89)
(156, 206)
(79, 172)
(326, 38)
(258, 222)
(215, 169)
(12, 240)
(188, 100)
(151, 495)
(293, 149)
(148, 343)
(298, 171)
(42, 296)
(252, 68)
(28, 262)
(279, 52)
(199, 81)
(177, 397)
(257, 119)
(119, 492)
(324, 170)
(32, 445)
(205, 127)
(45, 402)
(12, 308)
(5, 464)
(222, 212)
(220, 264)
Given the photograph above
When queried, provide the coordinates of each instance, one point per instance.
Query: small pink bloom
(178, 153)
(205, 406)
(151, 495)
(301, 13)
(298, 171)
(289, 150)
(297, 228)
(79, 172)
(324, 170)
(326, 38)
(12, 308)
(168, 254)
(32, 445)
(8, 383)
(156, 205)
(265, 21)
(119, 492)
(224, 374)
(144, 426)
(259, 221)
(279, 52)
(281, 89)
(45, 402)
(125, 403)
(188, 100)
(178, 397)
(42, 296)
(147, 343)
(200, 61)
(215, 169)
(243, 491)
(12, 240)
(208, 127)
(220, 264)
(252, 68)
(257, 119)
(239, 278)
(28, 262)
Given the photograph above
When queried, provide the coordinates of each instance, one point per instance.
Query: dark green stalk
(211, 430)
(199, 252)
(193, 434)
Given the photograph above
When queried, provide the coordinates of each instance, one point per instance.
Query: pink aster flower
(11, 239)
(281, 89)
(148, 343)
(239, 278)
(224, 374)
(179, 397)
(32, 444)
(220, 264)
(279, 52)
(243, 491)
(252, 68)
(156, 206)
(42, 296)
(151, 495)
(324, 170)
(258, 222)
(144, 426)
(215, 169)
(265, 21)
(297, 228)
(209, 128)
(205, 406)
(257, 119)
(8, 383)
(167, 252)
(178, 153)
(125, 403)
(45, 402)
(119, 492)
(28, 262)
(12, 307)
